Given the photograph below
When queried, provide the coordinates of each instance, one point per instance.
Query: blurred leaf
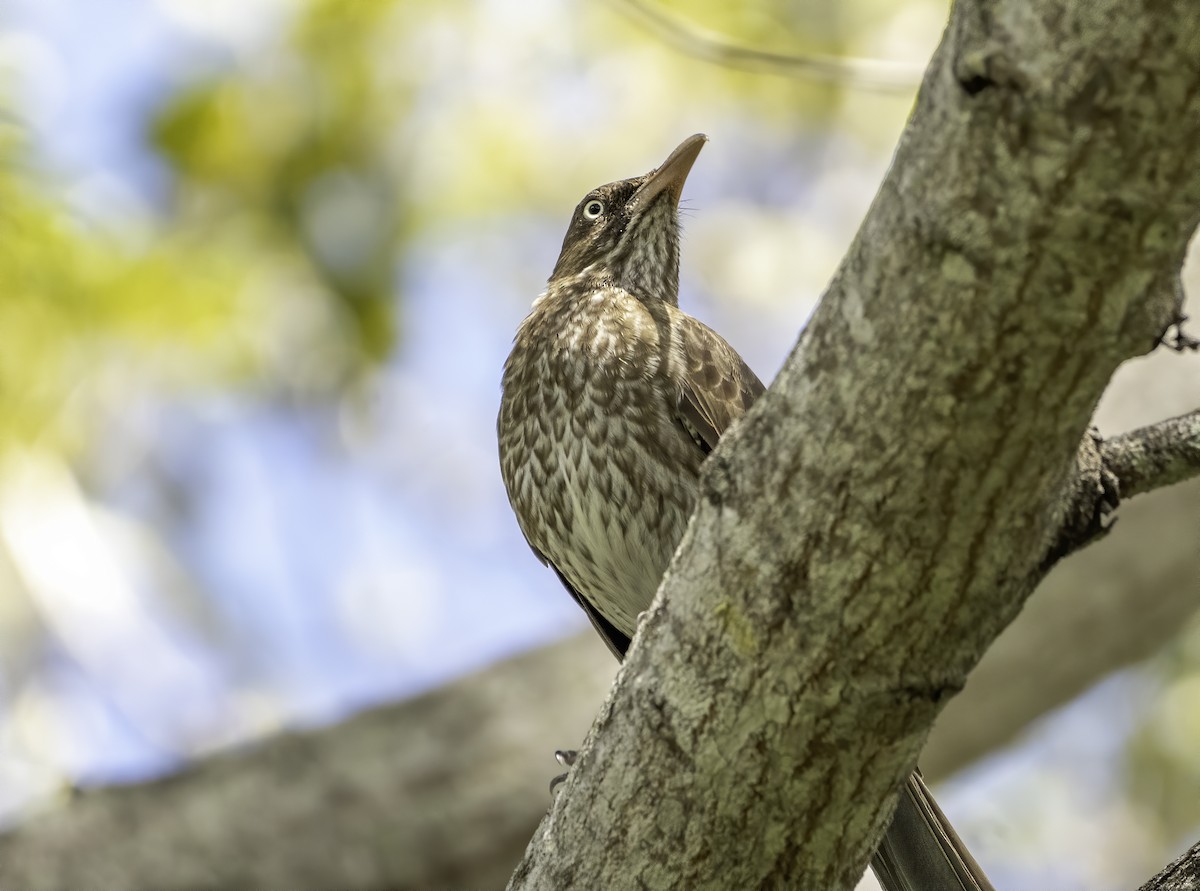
(75, 300)
(300, 142)
(1163, 758)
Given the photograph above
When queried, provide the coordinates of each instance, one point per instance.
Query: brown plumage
(612, 399)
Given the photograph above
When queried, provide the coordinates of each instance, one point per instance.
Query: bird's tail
(921, 851)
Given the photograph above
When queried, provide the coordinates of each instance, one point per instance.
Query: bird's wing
(718, 386)
(614, 638)
(617, 641)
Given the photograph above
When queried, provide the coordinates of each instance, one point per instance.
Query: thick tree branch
(890, 503)
(1156, 456)
(207, 816)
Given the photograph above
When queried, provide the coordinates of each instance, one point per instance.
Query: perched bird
(612, 399)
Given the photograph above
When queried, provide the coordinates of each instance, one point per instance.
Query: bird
(612, 398)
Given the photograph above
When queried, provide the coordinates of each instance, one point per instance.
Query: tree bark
(917, 468)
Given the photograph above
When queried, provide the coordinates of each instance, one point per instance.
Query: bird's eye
(593, 209)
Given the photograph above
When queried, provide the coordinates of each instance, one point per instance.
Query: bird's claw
(565, 757)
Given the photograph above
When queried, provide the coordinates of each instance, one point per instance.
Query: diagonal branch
(888, 506)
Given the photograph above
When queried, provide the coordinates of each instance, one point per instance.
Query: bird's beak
(672, 174)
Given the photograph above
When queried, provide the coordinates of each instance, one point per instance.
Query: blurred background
(260, 265)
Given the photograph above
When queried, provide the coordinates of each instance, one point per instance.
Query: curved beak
(672, 174)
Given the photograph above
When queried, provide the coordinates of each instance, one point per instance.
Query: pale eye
(593, 209)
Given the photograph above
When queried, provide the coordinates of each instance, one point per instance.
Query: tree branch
(887, 507)
(1152, 457)
(1134, 463)
(864, 74)
(476, 797)
(1098, 595)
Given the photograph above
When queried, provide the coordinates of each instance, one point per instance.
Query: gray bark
(1161, 454)
(919, 465)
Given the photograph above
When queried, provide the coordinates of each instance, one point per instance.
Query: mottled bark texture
(1155, 456)
(1111, 605)
(887, 507)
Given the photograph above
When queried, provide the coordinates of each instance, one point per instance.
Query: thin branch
(1174, 337)
(1131, 464)
(1152, 457)
(864, 74)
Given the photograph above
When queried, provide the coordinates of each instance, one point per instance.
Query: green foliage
(78, 304)
(299, 142)
(367, 122)
(1163, 758)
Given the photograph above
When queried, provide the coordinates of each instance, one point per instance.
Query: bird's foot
(565, 757)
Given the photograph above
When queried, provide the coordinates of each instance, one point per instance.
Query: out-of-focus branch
(439, 792)
(443, 791)
(863, 74)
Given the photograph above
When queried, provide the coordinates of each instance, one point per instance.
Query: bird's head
(627, 233)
